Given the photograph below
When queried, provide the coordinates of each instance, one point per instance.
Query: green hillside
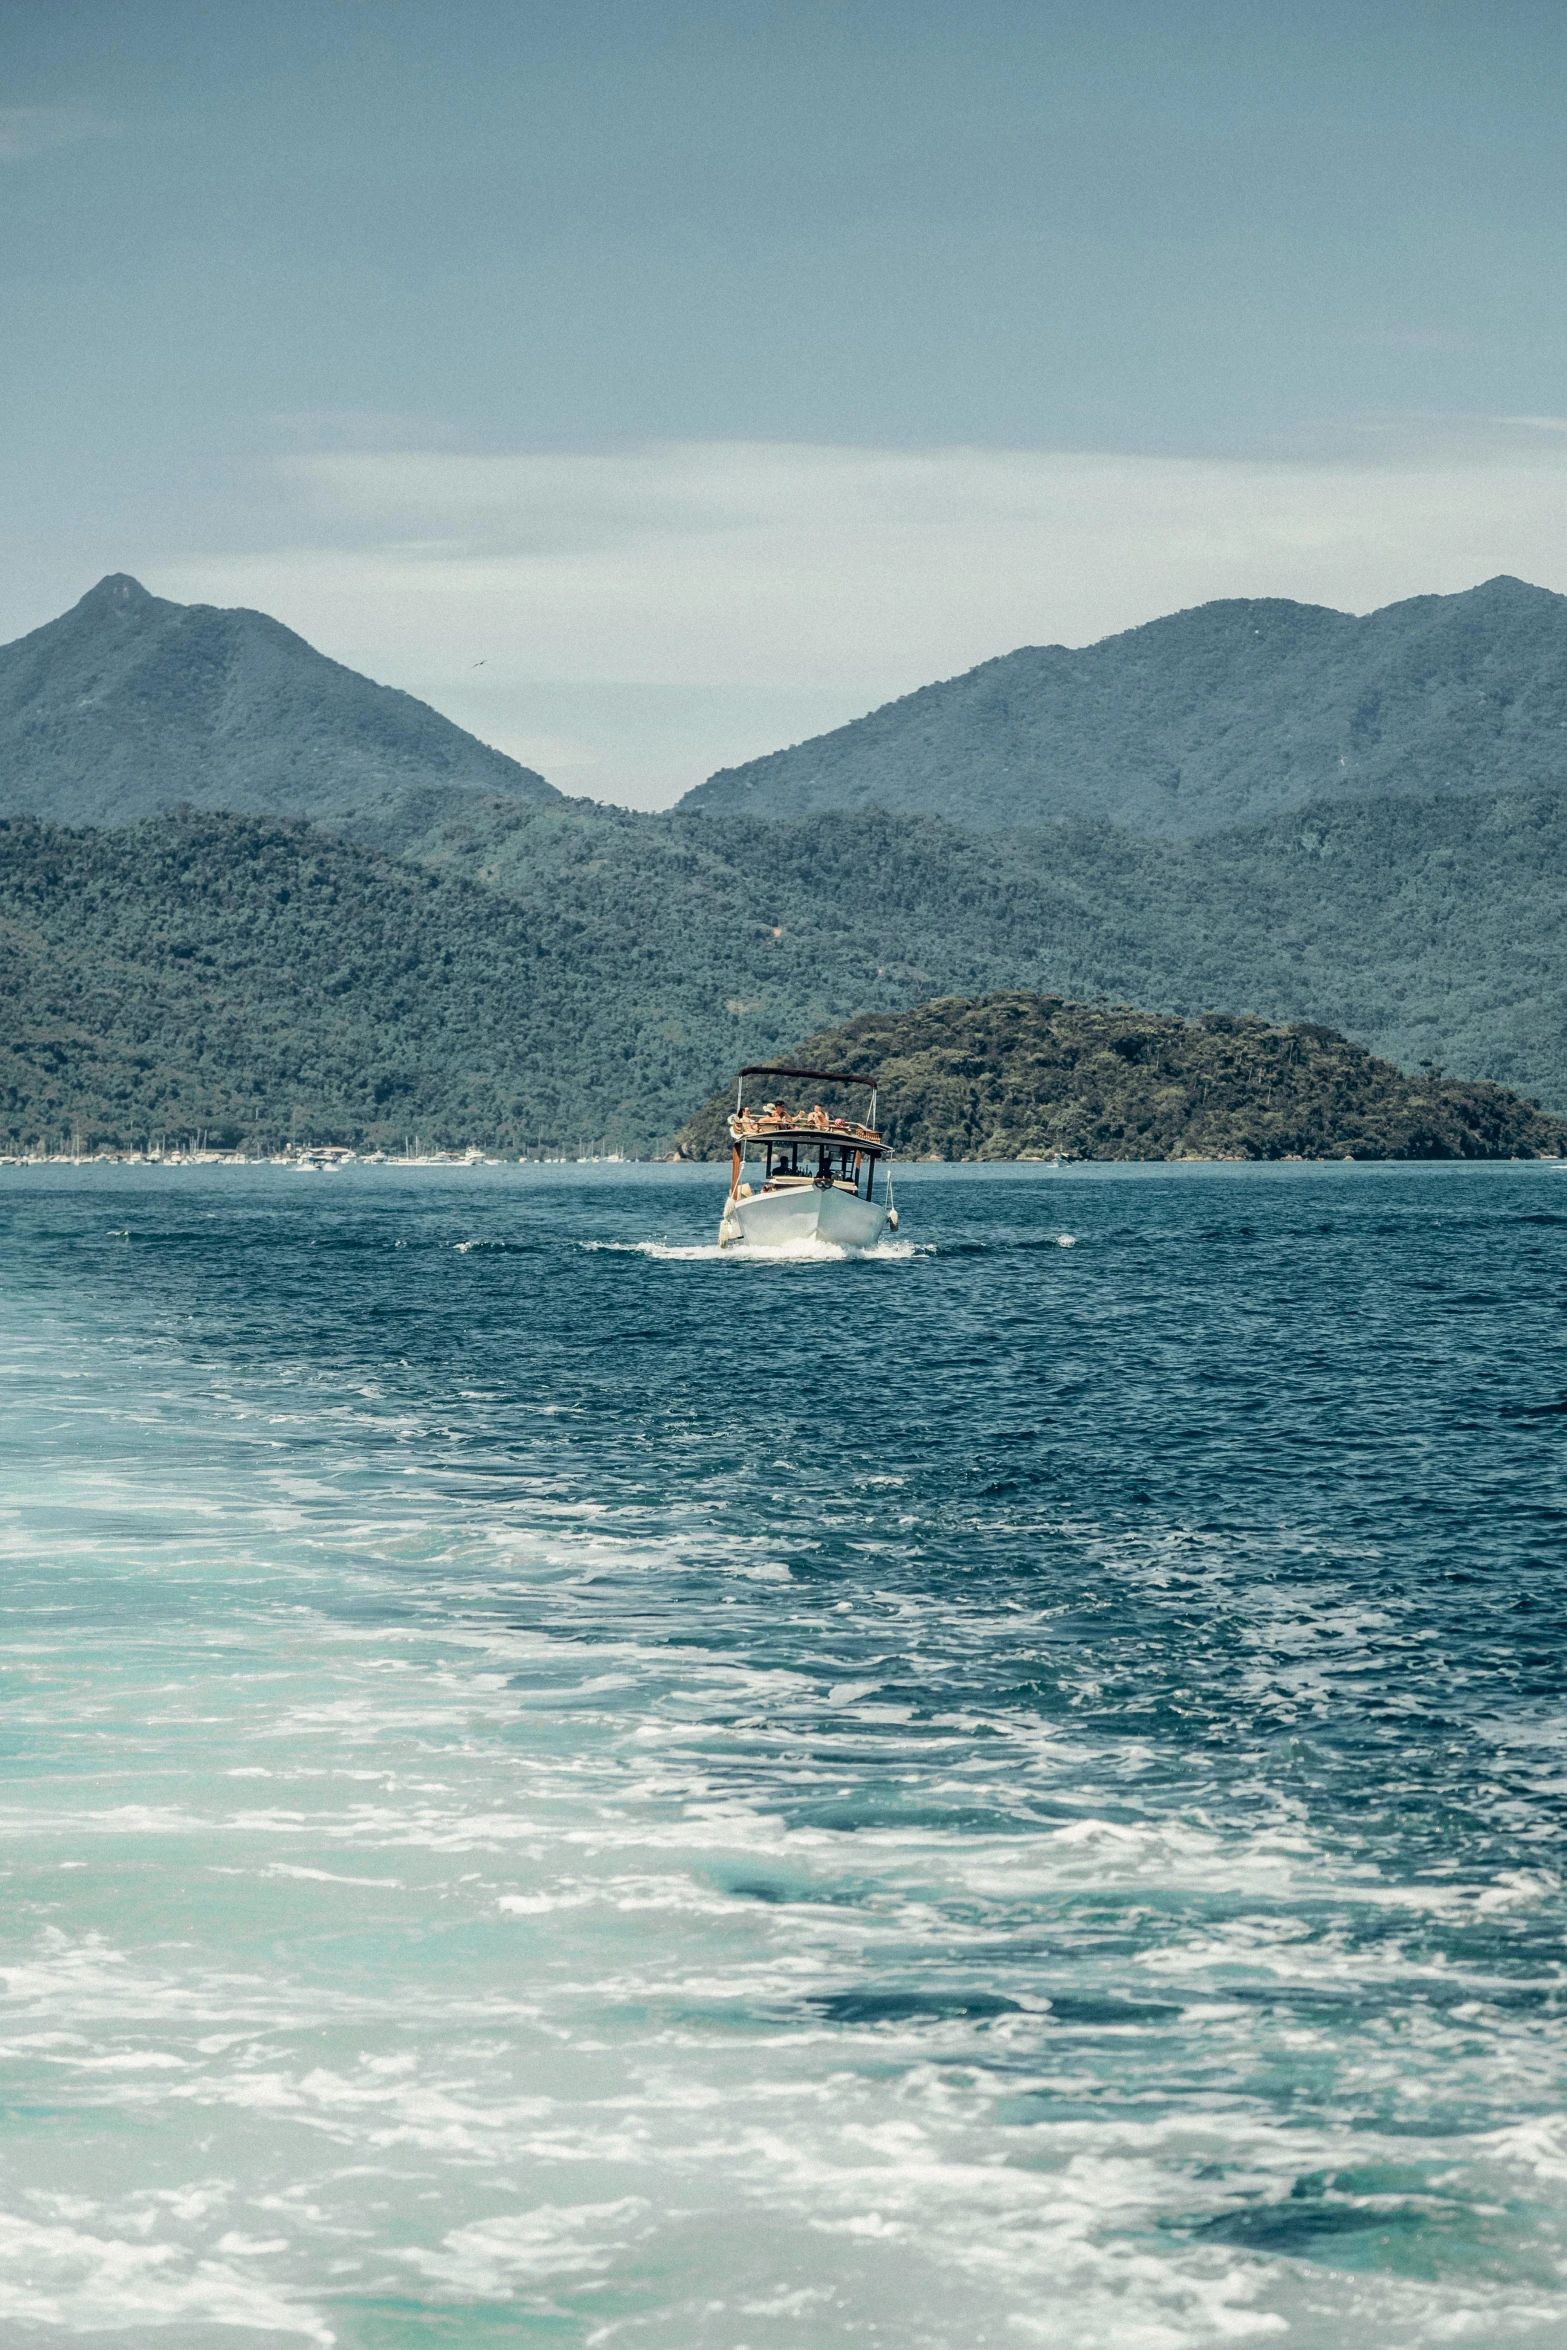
(1227, 714)
(129, 704)
(458, 948)
(1429, 929)
(1016, 1076)
(265, 980)
(562, 971)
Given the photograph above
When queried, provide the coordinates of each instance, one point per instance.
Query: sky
(651, 386)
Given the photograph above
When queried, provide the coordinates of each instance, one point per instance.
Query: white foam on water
(61, 2278)
(814, 1251)
(667, 2025)
(495, 2259)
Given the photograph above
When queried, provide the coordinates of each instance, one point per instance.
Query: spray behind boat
(818, 1171)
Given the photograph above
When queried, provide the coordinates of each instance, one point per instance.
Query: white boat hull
(786, 1219)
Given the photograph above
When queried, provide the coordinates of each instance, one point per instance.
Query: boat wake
(794, 1252)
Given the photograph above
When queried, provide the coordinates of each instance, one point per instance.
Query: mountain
(1018, 1076)
(558, 970)
(1227, 714)
(129, 704)
(263, 978)
(453, 945)
(1430, 929)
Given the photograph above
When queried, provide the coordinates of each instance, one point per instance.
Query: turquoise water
(561, 1788)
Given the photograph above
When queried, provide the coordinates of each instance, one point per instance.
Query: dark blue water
(566, 1787)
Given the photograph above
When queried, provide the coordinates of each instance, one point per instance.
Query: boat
(818, 1172)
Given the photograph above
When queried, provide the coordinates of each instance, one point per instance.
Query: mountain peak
(118, 592)
(1228, 713)
(129, 704)
(1506, 583)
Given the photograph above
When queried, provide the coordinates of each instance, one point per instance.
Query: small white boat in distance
(818, 1172)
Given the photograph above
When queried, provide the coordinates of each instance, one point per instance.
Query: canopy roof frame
(822, 1076)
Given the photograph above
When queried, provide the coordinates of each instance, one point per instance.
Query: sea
(561, 1787)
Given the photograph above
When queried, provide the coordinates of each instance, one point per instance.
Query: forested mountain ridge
(1429, 929)
(1227, 714)
(558, 971)
(1019, 1076)
(129, 704)
(511, 966)
(265, 979)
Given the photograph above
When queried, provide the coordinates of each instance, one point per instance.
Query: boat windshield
(800, 1158)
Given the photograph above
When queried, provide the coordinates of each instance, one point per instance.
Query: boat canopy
(822, 1076)
(774, 1121)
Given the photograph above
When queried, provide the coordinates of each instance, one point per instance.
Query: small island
(1019, 1076)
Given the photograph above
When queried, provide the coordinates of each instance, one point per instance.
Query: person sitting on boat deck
(818, 1116)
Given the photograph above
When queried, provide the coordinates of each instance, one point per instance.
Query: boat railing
(758, 1126)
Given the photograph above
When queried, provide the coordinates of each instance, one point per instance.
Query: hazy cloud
(26, 131)
(769, 584)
